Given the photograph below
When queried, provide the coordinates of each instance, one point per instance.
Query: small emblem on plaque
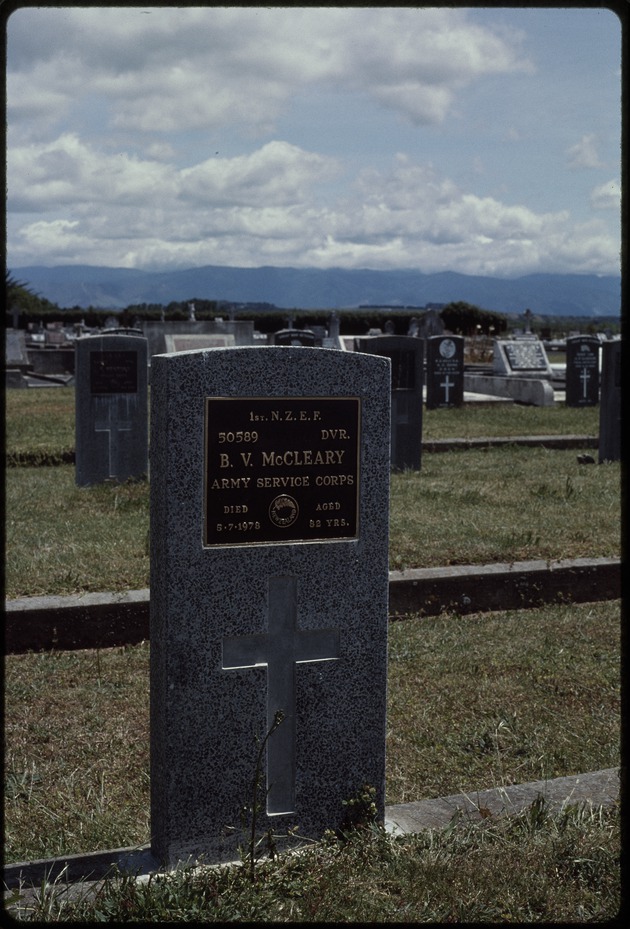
(283, 511)
(447, 348)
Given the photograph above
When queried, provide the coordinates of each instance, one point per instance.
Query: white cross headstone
(582, 371)
(445, 371)
(447, 384)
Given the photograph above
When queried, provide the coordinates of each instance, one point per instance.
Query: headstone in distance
(582, 371)
(521, 357)
(406, 354)
(445, 371)
(610, 402)
(111, 409)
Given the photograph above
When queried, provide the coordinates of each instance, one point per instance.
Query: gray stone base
(529, 390)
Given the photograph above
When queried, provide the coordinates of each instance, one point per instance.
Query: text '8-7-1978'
(281, 469)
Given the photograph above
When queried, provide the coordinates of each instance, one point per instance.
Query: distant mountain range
(310, 288)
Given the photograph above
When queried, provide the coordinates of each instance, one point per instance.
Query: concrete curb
(598, 788)
(103, 620)
(519, 585)
(529, 441)
(595, 789)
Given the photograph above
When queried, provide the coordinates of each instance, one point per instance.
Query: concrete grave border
(592, 789)
(103, 620)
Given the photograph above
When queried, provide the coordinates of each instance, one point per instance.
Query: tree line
(459, 317)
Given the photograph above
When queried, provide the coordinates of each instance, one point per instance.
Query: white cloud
(56, 237)
(69, 173)
(606, 196)
(278, 173)
(264, 208)
(584, 153)
(198, 67)
(113, 112)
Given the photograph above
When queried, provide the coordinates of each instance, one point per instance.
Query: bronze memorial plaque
(281, 469)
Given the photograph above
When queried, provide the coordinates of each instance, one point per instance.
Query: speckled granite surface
(207, 712)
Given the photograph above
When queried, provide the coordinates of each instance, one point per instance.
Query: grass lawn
(40, 423)
(464, 507)
(534, 867)
(474, 702)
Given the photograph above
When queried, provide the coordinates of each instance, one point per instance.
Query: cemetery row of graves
(271, 480)
(476, 505)
(112, 371)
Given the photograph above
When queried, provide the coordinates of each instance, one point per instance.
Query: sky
(484, 141)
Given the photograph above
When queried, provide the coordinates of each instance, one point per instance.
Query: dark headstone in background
(299, 337)
(610, 403)
(406, 354)
(445, 371)
(582, 371)
(111, 408)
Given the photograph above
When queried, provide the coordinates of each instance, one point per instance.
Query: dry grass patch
(534, 867)
(469, 507)
(62, 539)
(509, 419)
(504, 505)
(473, 702)
(76, 751)
(39, 423)
(494, 699)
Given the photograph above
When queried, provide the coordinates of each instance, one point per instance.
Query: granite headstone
(15, 353)
(293, 337)
(269, 585)
(183, 342)
(524, 357)
(582, 371)
(406, 354)
(445, 371)
(610, 402)
(111, 409)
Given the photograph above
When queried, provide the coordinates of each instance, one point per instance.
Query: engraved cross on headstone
(585, 378)
(447, 384)
(113, 425)
(280, 649)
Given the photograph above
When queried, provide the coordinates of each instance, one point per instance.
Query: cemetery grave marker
(445, 371)
(523, 357)
(269, 586)
(429, 324)
(406, 354)
(17, 362)
(15, 353)
(293, 337)
(185, 342)
(582, 371)
(610, 403)
(160, 334)
(111, 414)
